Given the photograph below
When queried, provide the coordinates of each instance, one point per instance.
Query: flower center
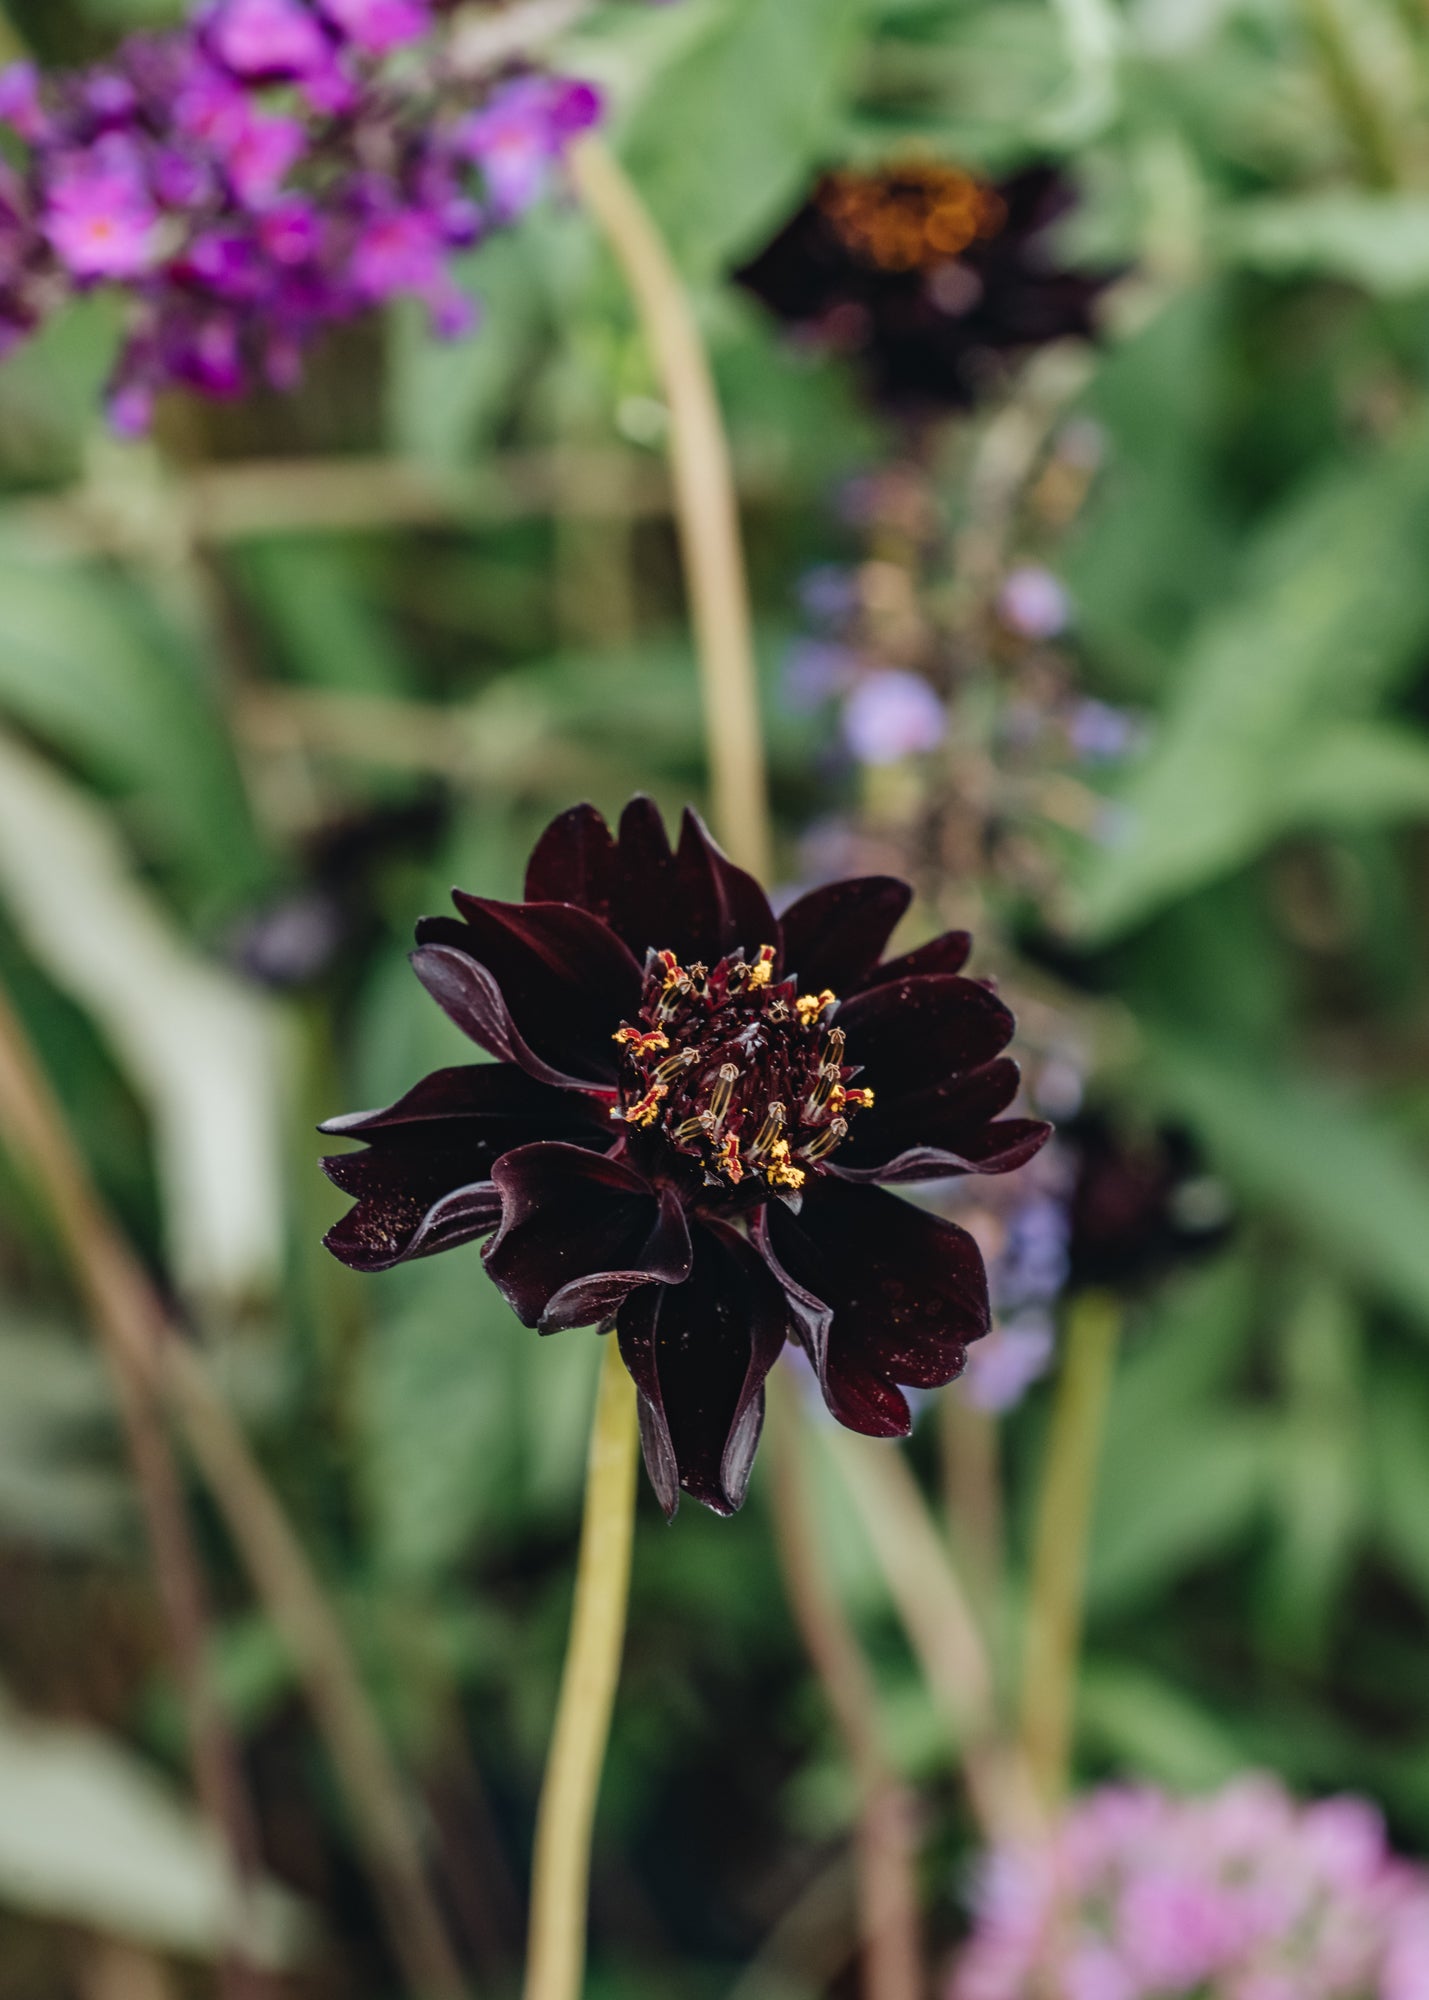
(736, 1071)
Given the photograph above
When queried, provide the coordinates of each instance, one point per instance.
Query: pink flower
(100, 220)
(261, 152)
(376, 26)
(267, 38)
(524, 126)
(20, 106)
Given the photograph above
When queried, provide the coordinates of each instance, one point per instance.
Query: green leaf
(1379, 241)
(1154, 1729)
(1313, 635)
(1327, 1166)
(726, 140)
(90, 1834)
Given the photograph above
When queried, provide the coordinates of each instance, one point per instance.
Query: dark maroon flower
(689, 1100)
(925, 276)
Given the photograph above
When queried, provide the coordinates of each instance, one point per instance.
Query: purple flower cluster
(267, 171)
(1241, 1895)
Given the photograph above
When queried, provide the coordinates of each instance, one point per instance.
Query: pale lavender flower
(893, 714)
(1239, 1895)
(1033, 603)
(1003, 1365)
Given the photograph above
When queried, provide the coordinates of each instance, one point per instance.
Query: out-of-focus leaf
(308, 592)
(89, 1834)
(202, 1050)
(1311, 637)
(1317, 1487)
(1399, 1468)
(1380, 241)
(54, 1490)
(728, 137)
(88, 667)
(1172, 1496)
(1325, 1165)
(1155, 1730)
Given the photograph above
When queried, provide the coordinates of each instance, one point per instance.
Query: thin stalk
(706, 507)
(555, 1960)
(887, 1885)
(1355, 95)
(1060, 1545)
(969, 1448)
(133, 1323)
(933, 1608)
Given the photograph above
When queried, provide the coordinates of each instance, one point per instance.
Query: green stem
(1063, 1529)
(706, 507)
(555, 1961)
(1354, 94)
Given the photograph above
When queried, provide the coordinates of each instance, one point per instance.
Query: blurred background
(1074, 355)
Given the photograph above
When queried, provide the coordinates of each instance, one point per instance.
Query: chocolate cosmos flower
(682, 1135)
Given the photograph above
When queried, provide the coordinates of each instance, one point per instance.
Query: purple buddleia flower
(893, 714)
(259, 175)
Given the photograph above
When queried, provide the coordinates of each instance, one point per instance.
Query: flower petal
(948, 953)
(834, 936)
(574, 862)
(914, 1033)
(906, 1290)
(556, 984)
(425, 1185)
(699, 1353)
(946, 1129)
(578, 1232)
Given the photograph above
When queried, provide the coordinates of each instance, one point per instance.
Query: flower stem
(1063, 1528)
(1356, 96)
(555, 1960)
(888, 1894)
(137, 1331)
(706, 506)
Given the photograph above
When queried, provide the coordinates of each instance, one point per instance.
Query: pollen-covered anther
(728, 1160)
(823, 1143)
(780, 1170)
(827, 1091)
(724, 1089)
(860, 1100)
(769, 1133)
(762, 970)
(674, 1065)
(640, 1043)
(811, 1007)
(647, 1108)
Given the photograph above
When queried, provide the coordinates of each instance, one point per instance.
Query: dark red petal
(914, 1033)
(699, 1353)
(574, 862)
(420, 1188)
(907, 1292)
(834, 936)
(406, 1207)
(946, 1129)
(578, 1232)
(557, 984)
(948, 953)
(723, 907)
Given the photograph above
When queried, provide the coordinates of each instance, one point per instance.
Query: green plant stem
(164, 1367)
(888, 1895)
(555, 1960)
(1356, 99)
(705, 503)
(1061, 1537)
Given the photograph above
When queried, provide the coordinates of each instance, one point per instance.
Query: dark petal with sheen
(907, 1292)
(723, 906)
(699, 1353)
(425, 1185)
(913, 1034)
(645, 898)
(834, 936)
(948, 953)
(578, 1233)
(557, 985)
(946, 1129)
(574, 862)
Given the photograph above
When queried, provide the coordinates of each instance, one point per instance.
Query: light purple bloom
(892, 714)
(268, 40)
(377, 26)
(1033, 603)
(1004, 1364)
(99, 218)
(815, 670)
(20, 106)
(517, 134)
(1240, 1895)
(1100, 733)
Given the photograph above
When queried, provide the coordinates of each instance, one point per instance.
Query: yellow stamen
(781, 1172)
(728, 1160)
(861, 1100)
(639, 1043)
(762, 970)
(813, 1005)
(648, 1109)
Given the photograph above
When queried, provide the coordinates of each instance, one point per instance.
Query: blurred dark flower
(683, 1133)
(926, 275)
(1140, 1203)
(260, 174)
